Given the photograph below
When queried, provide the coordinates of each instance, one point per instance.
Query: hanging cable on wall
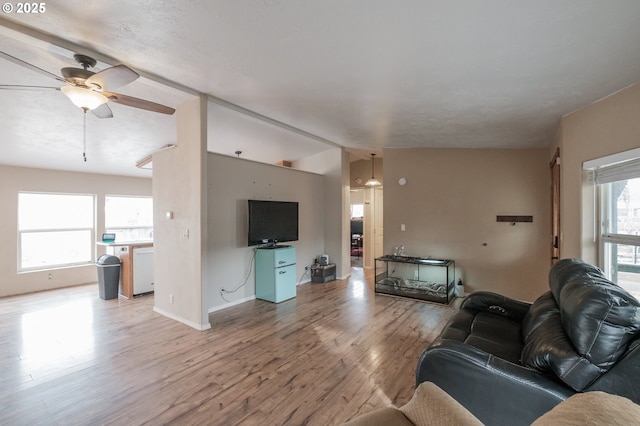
(224, 291)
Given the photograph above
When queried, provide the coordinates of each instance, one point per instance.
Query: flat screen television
(272, 222)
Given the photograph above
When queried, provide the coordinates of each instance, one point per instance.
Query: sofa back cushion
(539, 312)
(547, 347)
(600, 317)
(587, 330)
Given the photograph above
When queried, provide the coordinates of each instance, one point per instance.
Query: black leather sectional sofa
(509, 362)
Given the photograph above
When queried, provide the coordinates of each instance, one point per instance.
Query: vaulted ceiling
(364, 74)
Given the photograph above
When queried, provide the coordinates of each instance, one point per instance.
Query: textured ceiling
(364, 74)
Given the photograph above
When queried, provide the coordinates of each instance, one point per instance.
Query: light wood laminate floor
(335, 351)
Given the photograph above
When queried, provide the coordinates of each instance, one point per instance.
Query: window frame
(21, 232)
(605, 236)
(351, 211)
(116, 229)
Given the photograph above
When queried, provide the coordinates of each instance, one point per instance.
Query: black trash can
(108, 276)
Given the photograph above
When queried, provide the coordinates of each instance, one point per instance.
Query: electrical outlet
(171, 299)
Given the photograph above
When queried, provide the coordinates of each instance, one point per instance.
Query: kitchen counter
(125, 243)
(124, 251)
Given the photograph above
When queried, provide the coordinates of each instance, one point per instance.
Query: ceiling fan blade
(138, 103)
(29, 66)
(112, 78)
(23, 87)
(103, 111)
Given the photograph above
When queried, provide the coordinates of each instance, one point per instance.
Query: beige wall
(179, 186)
(449, 208)
(233, 181)
(16, 179)
(361, 170)
(333, 164)
(606, 127)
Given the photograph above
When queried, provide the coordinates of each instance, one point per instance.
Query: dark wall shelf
(513, 219)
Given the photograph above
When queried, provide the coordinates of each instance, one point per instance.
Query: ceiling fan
(89, 90)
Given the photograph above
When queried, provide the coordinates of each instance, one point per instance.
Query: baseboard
(230, 304)
(199, 327)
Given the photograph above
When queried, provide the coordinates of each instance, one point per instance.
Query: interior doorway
(366, 236)
(378, 230)
(356, 235)
(555, 207)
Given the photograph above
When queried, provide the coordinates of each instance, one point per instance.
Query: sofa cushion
(599, 317)
(548, 349)
(494, 334)
(592, 408)
(582, 327)
(497, 336)
(431, 406)
(381, 417)
(544, 307)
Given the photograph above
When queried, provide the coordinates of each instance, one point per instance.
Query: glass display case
(416, 277)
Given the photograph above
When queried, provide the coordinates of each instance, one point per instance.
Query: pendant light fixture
(373, 181)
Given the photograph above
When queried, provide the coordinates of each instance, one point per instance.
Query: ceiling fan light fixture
(84, 98)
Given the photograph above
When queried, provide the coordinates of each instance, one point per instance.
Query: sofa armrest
(429, 405)
(494, 390)
(624, 377)
(592, 408)
(484, 301)
(381, 417)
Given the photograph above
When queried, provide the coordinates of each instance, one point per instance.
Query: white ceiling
(364, 74)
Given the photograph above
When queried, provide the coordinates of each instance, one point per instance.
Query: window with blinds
(618, 184)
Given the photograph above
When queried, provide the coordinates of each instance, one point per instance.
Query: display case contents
(416, 277)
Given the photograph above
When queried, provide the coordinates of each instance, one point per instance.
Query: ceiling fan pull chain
(84, 138)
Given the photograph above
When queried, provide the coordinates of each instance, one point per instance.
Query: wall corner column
(180, 187)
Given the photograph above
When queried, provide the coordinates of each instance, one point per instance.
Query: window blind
(629, 169)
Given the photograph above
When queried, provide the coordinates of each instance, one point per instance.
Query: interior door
(373, 226)
(555, 207)
(378, 223)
